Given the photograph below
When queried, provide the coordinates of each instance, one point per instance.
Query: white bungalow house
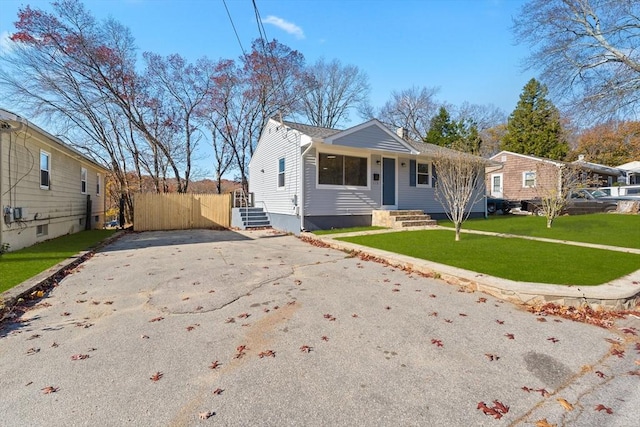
(308, 178)
(47, 188)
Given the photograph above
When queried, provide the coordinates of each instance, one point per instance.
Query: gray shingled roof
(312, 131)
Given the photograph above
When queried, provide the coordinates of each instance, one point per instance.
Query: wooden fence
(173, 211)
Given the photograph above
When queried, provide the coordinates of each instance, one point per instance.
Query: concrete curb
(43, 281)
(620, 294)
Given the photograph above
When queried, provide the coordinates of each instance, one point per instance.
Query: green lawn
(346, 230)
(18, 266)
(605, 229)
(509, 258)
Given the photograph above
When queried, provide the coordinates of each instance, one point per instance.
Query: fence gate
(175, 211)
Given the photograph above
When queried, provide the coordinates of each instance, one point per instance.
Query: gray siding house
(309, 178)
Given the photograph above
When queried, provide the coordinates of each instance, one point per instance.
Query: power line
(234, 27)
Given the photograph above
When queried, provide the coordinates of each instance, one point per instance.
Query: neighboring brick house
(515, 176)
(47, 188)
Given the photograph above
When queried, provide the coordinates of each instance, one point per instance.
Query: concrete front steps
(247, 218)
(400, 219)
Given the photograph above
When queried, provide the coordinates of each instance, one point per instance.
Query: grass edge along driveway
(20, 265)
(508, 258)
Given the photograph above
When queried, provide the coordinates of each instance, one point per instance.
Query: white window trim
(83, 179)
(501, 189)
(48, 186)
(524, 180)
(342, 187)
(284, 173)
(429, 164)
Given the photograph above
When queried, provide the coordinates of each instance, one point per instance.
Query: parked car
(605, 193)
(495, 204)
(624, 190)
(580, 202)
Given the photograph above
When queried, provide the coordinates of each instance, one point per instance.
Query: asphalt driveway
(224, 328)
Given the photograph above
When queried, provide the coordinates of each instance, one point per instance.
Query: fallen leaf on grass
(566, 405)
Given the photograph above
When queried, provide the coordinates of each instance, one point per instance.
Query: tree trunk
(549, 222)
(458, 227)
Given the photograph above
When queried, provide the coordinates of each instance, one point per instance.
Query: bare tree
(459, 184)
(588, 52)
(555, 189)
(331, 91)
(411, 109)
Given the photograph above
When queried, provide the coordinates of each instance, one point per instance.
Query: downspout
(302, 166)
(1, 188)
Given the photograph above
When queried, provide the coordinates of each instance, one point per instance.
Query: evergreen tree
(442, 130)
(534, 126)
(469, 139)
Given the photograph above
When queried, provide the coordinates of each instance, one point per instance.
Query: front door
(389, 182)
(496, 185)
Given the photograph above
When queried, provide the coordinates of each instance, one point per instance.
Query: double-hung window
(422, 174)
(341, 170)
(281, 172)
(529, 179)
(83, 181)
(45, 169)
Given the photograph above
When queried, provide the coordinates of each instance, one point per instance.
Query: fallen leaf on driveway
(553, 340)
(601, 407)
(510, 336)
(437, 342)
(566, 405)
(544, 423)
(156, 376)
(156, 319)
(50, 389)
(205, 415)
(79, 356)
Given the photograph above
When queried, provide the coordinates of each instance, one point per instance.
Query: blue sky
(464, 47)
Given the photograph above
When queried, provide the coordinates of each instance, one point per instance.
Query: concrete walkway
(622, 293)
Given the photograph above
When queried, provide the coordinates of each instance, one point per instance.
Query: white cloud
(289, 27)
